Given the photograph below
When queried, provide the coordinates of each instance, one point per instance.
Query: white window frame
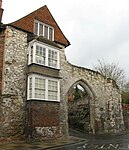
(33, 76)
(38, 22)
(47, 47)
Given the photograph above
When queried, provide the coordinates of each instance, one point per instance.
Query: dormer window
(44, 30)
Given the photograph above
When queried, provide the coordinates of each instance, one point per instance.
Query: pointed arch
(85, 85)
(91, 95)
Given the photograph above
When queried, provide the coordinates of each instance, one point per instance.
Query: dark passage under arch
(80, 112)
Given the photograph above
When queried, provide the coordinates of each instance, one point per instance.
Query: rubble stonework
(14, 84)
(105, 102)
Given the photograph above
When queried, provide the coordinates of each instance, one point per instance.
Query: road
(98, 142)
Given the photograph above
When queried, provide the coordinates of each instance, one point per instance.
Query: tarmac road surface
(98, 142)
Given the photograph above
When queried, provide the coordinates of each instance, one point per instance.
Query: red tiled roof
(42, 14)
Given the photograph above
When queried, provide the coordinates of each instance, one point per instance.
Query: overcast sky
(96, 29)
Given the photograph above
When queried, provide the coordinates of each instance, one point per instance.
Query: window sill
(44, 100)
(44, 66)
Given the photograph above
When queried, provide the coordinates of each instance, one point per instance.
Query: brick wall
(43, 120)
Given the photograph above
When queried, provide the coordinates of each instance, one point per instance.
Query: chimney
(1, 10)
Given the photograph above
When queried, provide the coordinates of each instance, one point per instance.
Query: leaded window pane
(46, 32)
(40, 55)
(39, 88)
(52, 58)
(40, 29)
(52, 90)
(50, 33)
(30, 88)
(31, 55)
(36, 28)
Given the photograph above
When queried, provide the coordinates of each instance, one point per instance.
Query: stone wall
(2, 38)
(105, 104)
(126, 115)
(14, 85)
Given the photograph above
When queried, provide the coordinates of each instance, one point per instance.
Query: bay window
(43, 88)
(44, 55)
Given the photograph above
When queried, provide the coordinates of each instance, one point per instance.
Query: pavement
(45, 145)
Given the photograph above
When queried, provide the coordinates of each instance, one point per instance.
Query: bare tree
(112, 71)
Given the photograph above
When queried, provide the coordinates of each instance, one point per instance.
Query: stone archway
(80, 106)
(105, 99)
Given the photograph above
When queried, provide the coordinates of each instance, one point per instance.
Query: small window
(44, 30)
